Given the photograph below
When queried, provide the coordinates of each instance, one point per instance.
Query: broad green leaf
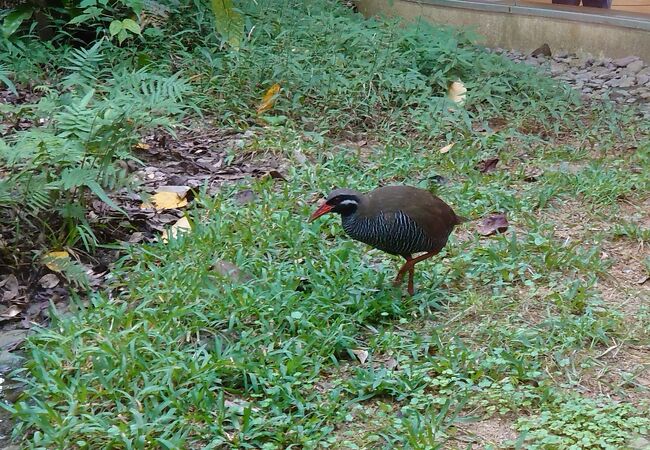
(122, 35)
(138, 5)
(14, 19)
(89, 13)
(229, 22)
(115, 27)
(131, 25)
(87, 3)
(79, 19)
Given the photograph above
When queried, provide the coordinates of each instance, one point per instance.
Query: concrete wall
(523, 32)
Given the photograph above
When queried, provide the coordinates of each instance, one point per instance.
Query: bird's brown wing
(433, 215)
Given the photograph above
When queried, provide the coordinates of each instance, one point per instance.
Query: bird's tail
(461, 219)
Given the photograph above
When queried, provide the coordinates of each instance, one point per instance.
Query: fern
(84, 66)
(74, 272)
(57, 168)
(141, 93)
(4, 78)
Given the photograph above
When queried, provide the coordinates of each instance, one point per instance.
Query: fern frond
(84, 66)
(4, 78)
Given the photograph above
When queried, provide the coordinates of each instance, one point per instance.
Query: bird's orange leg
(409, 266)
(401, 271)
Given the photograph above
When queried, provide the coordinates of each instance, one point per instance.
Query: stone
(621, 93)
(627, 82)
(634, 67)
(557, 68)
(12, 339)
(598, 73)
(9, 361)
(623, 62)
(576, 62)
(639, 443)
(622, 82)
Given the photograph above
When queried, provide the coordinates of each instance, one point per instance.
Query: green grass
(173, 355)
(180, 357)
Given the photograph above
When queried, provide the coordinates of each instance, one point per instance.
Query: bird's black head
(341, 201)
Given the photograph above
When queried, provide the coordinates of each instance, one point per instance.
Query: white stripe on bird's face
(349, 202)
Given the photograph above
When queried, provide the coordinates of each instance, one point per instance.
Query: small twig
(609, 350)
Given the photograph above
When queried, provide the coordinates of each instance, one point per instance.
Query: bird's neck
(349, 219)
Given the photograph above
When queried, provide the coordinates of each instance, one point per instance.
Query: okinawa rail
(400, 220)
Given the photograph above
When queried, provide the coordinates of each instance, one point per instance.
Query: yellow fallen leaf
(142, 146)
(181, 226)
(457, 92)
(269, 99)
(447, 147)
(55, 261)
(166, 200)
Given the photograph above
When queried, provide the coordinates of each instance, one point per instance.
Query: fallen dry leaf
(10, 283)
(643, 279)
(543, 50)
(269, 99)
(391, 363)
(182, 225)
(362, 355)
(447, 147)
(49, 281)
(275, 175)
(10, 313)
(56, 261)
(166, 200)
(488, 165)
(532, 174)
(137, 237)
(457, 92)
(494, 223)
(142, 146)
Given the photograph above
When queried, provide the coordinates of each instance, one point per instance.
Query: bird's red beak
(322, 209)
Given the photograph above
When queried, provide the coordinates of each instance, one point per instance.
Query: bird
(399, 220)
